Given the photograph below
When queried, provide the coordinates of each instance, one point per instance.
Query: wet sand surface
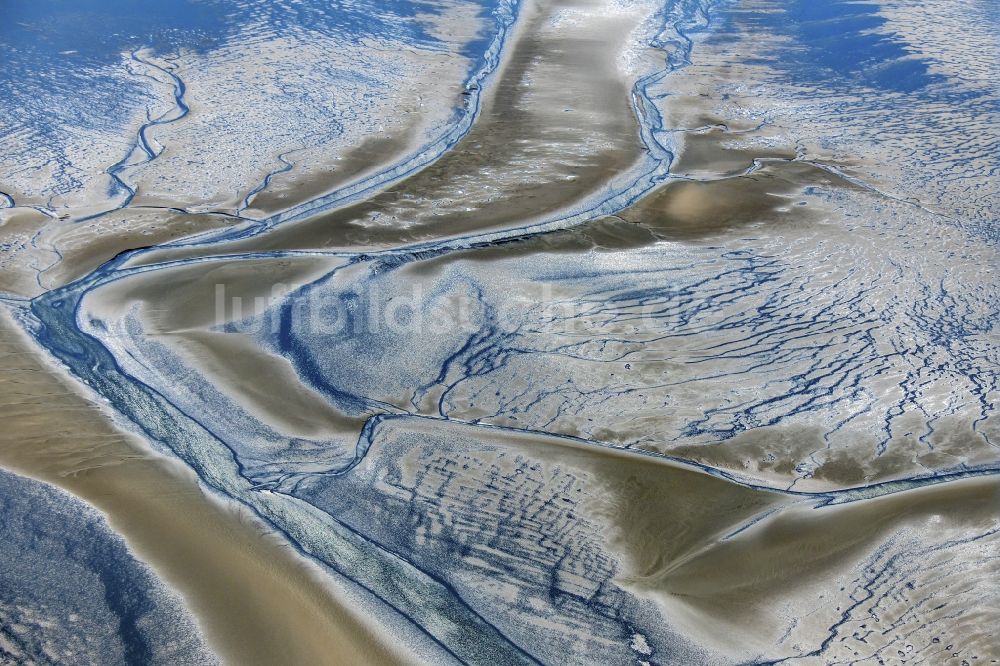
(357, 165)
(257, 602)
(745, 413)
(45, 254)
(557, 124)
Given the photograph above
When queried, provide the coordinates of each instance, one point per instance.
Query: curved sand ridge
(224, 562)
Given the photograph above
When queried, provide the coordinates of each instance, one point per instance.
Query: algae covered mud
(547, 331)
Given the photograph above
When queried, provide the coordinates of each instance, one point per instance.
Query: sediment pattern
(669, 337)
(94, 602)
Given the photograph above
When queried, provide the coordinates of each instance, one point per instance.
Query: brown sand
(555, 126)
(207, 294)
(742, 586)
(45, 253)
(690, 210)
(257, 601)
(737, 567)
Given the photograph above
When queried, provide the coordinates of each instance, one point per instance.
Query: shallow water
(566, 330)
(73, 592)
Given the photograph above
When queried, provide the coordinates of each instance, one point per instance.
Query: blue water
(842, 43)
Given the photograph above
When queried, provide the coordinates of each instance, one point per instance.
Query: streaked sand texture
(519, 332)
(206, 549)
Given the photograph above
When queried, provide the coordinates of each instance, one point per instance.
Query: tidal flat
(500, 332)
